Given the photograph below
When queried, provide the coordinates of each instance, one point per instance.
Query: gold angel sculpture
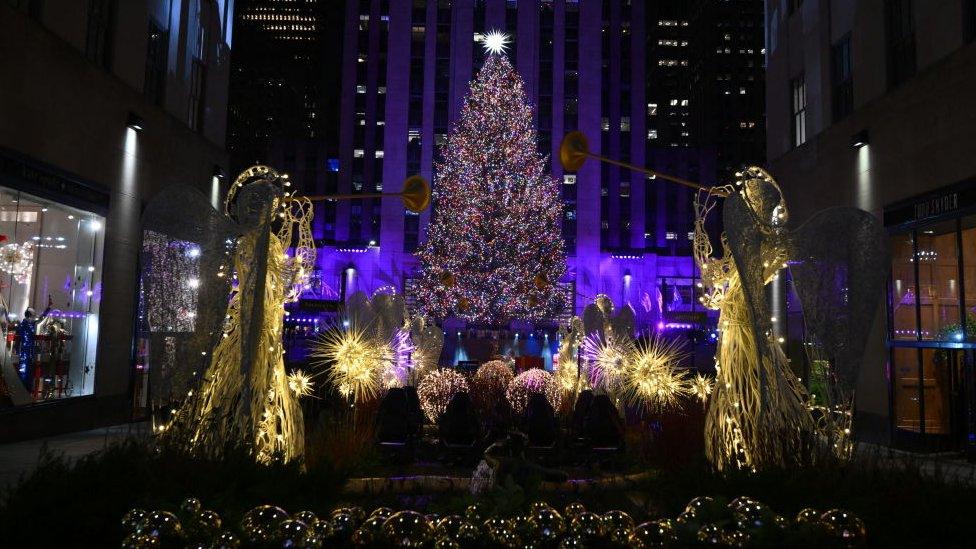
(757, 414)
(244, 397)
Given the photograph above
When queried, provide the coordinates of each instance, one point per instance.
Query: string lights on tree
(494, 249)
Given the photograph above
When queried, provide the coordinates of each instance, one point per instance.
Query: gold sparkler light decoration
(533, 381)
(355, 363)
(649, 377)
(437, 389)
(569, 378)
(300, 383)
(606, 357)
(700, 386)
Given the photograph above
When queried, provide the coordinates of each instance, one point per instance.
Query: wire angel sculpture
(760, 414)
(243, 396)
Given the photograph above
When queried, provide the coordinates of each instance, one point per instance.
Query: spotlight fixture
(218, 172)
(135, 122)
(859, 139)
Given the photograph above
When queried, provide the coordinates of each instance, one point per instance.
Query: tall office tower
(705, 103)
(729, 80)
(106, 105)
(673, 136)
(406, 68)
(283, 93)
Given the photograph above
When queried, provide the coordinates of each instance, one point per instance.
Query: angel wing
(840, 262)
(428, 341)
(389, 312)
(593, 320)
(623, 322)
(758, 252)
(186, 272)
(358, 311)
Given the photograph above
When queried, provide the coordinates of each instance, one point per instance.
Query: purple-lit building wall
(406, 68)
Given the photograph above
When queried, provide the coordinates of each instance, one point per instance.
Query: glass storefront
(932, 321)
(50, 291)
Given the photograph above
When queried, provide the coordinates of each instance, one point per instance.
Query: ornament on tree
(494, 246)
(447, 279)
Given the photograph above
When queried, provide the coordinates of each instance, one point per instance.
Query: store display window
(50, 291)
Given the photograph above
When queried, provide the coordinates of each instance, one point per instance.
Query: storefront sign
(951, 201)
(319, 305)
(937, 206)
(21, 173)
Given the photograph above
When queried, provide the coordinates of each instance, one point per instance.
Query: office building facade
(869, 105)
(406, 69)
(104, 104)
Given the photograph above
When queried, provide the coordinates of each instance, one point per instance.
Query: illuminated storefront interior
(932, 320)
(50, 265)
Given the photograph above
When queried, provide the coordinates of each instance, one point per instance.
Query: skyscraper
(406, 68)
(105, 105)
(283, 93)
(705, 114)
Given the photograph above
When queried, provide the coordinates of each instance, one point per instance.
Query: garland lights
(494, 246)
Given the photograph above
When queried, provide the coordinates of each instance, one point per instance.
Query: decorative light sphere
(533, 381)
(437, 389)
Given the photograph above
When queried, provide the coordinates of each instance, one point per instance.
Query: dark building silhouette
(284, 92)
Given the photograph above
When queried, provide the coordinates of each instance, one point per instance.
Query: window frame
(842, 81)
(798, 110)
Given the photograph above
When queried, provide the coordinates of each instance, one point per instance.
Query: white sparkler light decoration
(495, 42)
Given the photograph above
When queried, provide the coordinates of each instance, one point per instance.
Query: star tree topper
(495, 42)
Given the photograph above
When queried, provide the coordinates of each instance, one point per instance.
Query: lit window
(670, 236)
(67, 245)
(378, 154)
(625, 123)
(684, 102)
(652, 134)
(742, 91)
(674, 102)
(569, 179)
(358, 153)
(652, 109)
(381, 89)
(605, 123)
(360, 89)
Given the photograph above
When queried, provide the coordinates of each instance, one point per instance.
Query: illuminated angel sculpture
(244, 396)
(760, 414)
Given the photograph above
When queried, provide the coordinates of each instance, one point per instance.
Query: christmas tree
(494, 249)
